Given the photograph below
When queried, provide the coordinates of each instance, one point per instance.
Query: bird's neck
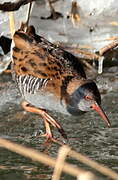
(75, 84)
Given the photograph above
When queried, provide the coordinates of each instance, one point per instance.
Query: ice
(4, 62)
(100, 64)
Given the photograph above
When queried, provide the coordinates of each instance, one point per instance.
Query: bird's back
(39, 65)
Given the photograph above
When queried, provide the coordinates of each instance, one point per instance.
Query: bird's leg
(48, 119)
(48, 133)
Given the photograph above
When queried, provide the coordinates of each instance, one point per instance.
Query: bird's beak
(97, 108)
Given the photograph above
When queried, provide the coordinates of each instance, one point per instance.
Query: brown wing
(35, 56)
(32, 59)
(42, 59)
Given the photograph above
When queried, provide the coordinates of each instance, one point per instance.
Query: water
(87, 134)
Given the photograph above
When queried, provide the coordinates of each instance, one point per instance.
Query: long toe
(50, 139)
(62, 132)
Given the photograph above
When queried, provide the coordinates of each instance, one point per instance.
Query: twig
(11, 23)
(108, 47)
(43, 158)
(14, 6)
(63, 152)
(83, 54)
(75, 15)
(99, 167)
(28, 14)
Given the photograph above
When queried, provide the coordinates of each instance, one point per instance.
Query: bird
(44, 70)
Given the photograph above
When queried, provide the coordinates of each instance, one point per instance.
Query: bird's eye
(88, 98)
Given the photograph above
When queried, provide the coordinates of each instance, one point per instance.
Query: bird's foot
(54, 123)
(47, 121)
(51, 139)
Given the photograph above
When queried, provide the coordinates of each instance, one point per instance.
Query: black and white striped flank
(30, 84)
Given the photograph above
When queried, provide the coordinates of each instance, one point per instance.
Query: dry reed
(59, 163)
(45, 159)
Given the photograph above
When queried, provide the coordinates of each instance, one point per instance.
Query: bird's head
(86, 97)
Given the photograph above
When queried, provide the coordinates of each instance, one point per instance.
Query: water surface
(87, 134)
